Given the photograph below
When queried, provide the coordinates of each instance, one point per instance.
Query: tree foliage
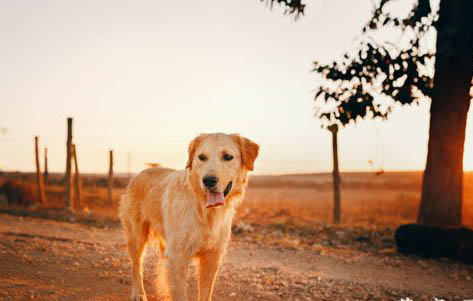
(292, 7)
(368, 82)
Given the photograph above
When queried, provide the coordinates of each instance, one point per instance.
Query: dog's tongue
(214, 199)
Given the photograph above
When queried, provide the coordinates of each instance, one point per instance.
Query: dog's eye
(202, 157)
(227, 157)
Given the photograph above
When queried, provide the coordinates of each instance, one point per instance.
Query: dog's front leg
(209, 263)
(177, 269)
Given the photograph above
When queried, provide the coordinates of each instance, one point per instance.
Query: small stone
(233, 294)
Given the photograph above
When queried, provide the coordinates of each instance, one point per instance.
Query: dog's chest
(215, 231)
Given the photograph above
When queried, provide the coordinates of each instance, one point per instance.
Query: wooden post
(69, 182)
(110, 178)
(46, 172)
(77, 180)
(335, 174)
(39, 176)
(128, 164)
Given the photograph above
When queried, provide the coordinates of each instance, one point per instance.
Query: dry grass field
(368, 199)
(298, 200)
(284, 246)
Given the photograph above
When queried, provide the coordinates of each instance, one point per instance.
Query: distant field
(368, 199)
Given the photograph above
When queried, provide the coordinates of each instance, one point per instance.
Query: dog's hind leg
(162, 287)
(136, 243)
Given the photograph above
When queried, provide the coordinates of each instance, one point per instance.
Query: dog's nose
(210, 181)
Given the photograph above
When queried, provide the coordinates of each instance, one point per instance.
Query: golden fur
(170, 206)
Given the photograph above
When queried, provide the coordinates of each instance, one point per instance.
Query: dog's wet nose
(210, 181)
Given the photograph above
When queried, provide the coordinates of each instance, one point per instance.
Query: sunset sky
(143, 78)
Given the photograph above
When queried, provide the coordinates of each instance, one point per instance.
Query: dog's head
(217, 163)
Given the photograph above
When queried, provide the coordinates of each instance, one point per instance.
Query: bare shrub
(19, 193)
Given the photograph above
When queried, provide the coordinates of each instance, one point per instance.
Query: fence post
(128, 164)
(68, 165)
(336, 175)
(2, 131)
(110, 178)
(39, 176)
(77, 180)
(46, 172)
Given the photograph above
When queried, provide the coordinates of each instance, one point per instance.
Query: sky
(145, 77)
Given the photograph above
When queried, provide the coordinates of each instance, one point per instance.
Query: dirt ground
(43, 259)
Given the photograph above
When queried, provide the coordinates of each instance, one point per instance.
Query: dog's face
(216, 162)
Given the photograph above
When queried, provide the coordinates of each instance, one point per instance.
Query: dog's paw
(138, 298)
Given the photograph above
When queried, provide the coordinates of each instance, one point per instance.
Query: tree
(369, 81)
(442, 188)
(292, 7)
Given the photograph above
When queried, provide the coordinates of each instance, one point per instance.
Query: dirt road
(50, 260)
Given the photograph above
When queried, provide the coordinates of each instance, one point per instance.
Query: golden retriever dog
(188, 212)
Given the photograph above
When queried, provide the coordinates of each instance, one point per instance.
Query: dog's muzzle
(215, 199)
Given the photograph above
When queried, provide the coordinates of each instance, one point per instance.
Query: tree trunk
(442, 188)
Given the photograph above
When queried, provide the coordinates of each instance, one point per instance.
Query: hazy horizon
(125, 174)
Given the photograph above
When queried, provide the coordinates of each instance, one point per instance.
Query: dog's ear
(248, 150)
(192, 149)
